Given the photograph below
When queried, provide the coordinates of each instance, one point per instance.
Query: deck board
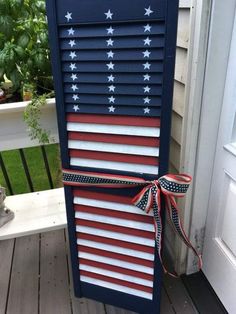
(54, 281)
(23, 293)
(6, 253)
(178, 295)
(166, 305)
(41, 282)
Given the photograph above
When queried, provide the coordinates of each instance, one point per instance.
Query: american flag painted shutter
(113, 65)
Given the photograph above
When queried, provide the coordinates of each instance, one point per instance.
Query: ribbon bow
(150, 198)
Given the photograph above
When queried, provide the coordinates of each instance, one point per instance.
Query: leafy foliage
(24, 50)
(32, 116)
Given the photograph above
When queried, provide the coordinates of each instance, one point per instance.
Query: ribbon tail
(178, 226)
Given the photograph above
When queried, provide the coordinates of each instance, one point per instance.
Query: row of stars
(111, 109)
(109, 14)
(111, 99)
(110, 30)
(111, 66)
(111, 88)
(110, 42)
(111, 78)
(110, 54)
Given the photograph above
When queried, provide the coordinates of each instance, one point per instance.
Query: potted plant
(24, 57)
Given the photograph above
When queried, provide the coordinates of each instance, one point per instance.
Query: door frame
(220, 34)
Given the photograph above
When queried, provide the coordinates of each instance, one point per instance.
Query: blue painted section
(91, 11)
(91, 29)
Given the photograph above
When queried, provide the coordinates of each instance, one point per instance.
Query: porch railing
(14, 136)
(35, 212)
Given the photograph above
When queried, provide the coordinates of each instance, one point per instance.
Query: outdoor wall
(179, 103)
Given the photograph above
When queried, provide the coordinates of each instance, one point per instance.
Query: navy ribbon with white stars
(168, 186)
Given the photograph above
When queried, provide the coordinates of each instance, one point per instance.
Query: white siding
(179, 105)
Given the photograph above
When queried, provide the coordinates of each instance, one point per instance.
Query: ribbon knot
(156, 195)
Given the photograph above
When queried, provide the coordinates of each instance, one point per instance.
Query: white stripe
(115, 235)
(114, 148)
(115, 221)
(116, 249)
(116, 262)
(116, 287)
(109, 205)
(102, 164)
(113, 274)
(114, 129)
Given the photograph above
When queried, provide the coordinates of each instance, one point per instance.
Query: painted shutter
(113, 65)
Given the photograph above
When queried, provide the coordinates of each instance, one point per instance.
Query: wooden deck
(35, 278)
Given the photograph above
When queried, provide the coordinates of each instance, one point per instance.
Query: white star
(146, 89)
(147, 65)
(147, 41)
(73, 66)
(111, 109)
(111, 99)
(72, 43)
(146, 77)
(110, 30)
(110, 54)
(76, 108)
(108, 15)
(68, 16)
(111, 88)
(147, 28)
(147, 100)
(146, 54)
(73, 54)
(75, 97)
(146, 110)
(110, 66)
(74, 76)
(71, 31)
(110, 42)
(148, 11)
(111, 78)
(74, 87)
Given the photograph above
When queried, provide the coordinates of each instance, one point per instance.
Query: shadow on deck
(35, 278)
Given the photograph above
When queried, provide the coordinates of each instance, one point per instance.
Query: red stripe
(115, 120)
(114, 213)
(117, 139)
(103, 197)
(113, 228)
(116, 281)
(116, 269)
(127, 245)
(116, 256)
(153, 161)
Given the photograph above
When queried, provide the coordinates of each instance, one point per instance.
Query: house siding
(179, 103)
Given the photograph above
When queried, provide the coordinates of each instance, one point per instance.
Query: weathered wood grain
(178, 296)
(23, 293)
(54, 281)
(115, 310)
(6, 253)
(166, 306)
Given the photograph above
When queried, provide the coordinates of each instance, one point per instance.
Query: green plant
(24, 50)
(32, 115)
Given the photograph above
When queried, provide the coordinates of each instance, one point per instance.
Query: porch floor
(35, 278)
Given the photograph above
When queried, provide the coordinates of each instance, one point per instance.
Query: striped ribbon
(169, 186)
